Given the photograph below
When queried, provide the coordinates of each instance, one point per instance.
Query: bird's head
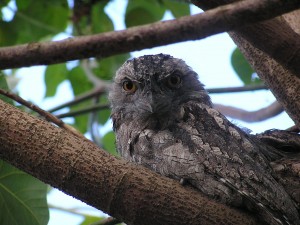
(154, 86)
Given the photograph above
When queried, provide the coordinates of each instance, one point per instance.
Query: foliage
(80, 84)
(90, 220)
(22, 198)
(4, 86)
(109, 143)
(54, 75)
(34, 21)
(243, 69)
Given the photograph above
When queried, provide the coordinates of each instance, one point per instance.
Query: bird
(164, 120)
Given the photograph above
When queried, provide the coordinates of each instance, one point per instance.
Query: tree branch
(48, 116)
(236, 89)
(79, 168)
(195, 27)
(284, 84)
(294, 129)
(85, 110)
(107, 221)
(83, 97)
(285, 48)
(250, 116)
(98, 91)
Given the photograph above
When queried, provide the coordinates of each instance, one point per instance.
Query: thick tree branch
(79, 168)
(293, 129)
(250, 116)
(284, 84)
(215, 21)
(285, 48)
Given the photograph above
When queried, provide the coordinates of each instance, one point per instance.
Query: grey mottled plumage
(164, 120)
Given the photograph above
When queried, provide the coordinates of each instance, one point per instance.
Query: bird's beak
(148, 107)
(147, 103)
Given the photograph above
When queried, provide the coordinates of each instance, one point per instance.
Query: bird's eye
(174, 81)
(129, 86)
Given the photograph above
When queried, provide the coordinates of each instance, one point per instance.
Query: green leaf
(54, 75)
(242, 68)
(108, 66)
(23, 4)
(109, 141)
(81, 122)
(22, 198)
(80, 84)
(8, 35)
(178, 9)
(100, 21)
(3, 3)
(103, 115)
(88, 220)
(140, 12)
(37, 20)
(4, 86)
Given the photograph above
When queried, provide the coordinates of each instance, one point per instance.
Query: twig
(221, 19)
(83, 111)
(252, 116)
(236, 89)
(86, 66)
(100, 90)
(95, 126)
(48, 116)
(69, 210)
(107, 221)
(97, 91)
(85, 96)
